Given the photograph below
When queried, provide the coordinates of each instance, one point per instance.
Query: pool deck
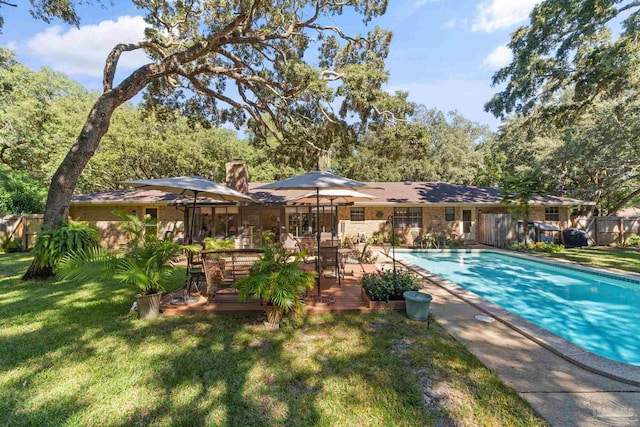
(562, 392)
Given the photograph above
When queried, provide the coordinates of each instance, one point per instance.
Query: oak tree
(238, 61)
(570, 45)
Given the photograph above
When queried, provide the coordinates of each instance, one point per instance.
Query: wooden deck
(347, 298)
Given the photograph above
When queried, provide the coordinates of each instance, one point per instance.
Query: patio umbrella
(333, 195)
(316, 180)
(194, 185)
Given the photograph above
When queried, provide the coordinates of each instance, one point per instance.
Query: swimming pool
(598, 312)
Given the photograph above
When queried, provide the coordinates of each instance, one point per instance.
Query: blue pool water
(595, 312)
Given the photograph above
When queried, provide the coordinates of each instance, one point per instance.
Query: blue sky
(443, 53)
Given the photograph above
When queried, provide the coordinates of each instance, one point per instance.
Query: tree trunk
(64, 181)
(624, 201)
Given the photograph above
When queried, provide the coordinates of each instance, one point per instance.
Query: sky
(444, 52)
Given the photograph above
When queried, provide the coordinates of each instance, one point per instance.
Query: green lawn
(71, 355)
(623, 259)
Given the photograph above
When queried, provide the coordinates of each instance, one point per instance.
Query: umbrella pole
(193, 218)
(318, 235)
(333, 230)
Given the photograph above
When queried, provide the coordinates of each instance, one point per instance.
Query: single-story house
(414, 208)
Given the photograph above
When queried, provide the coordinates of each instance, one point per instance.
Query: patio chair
(359, 259)
(289, 243)
(195, 274)
(330, 258)
(325, 236)
(307, 249)
(213, 268)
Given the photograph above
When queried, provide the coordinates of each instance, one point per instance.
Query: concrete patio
(563, 393)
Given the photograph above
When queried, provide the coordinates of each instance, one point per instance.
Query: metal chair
(359, 259)
(330, 258)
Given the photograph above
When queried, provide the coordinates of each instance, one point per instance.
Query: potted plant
(147, 266)
(279, 280)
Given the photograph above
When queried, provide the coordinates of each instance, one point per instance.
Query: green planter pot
(149, 305)
(417, 305)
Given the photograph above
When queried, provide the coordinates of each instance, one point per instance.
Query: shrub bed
(387, 286)
(550, 248)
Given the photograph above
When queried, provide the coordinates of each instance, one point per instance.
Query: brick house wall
(107, 224)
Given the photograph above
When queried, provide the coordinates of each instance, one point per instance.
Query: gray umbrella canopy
(193, 185)
(333, 195)
(315, 180)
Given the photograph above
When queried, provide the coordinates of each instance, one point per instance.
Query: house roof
(134, 196)
(438, 193)
(418, 193)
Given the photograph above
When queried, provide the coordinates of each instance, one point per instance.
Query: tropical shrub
(278, 279)
(379, 238)
(349, 241)
(135, 228)
(633, 241)
(537, 247)
(212, 244)
(388, 286)
(53, 243)
(148, 267)
(268, 237)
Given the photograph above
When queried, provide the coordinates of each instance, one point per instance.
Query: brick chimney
(237, 176)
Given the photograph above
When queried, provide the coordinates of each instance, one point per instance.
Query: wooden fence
(607, 230)
(21, 229)
(498, 230)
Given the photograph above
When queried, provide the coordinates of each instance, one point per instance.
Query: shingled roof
(386, 193)
(133, 196)
(418, 193)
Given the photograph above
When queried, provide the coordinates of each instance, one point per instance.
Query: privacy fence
(501, 230)
(19, 231)
(607, 230)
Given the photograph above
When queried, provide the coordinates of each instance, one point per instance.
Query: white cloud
(82, 51)
(495, 15)
(498, 58)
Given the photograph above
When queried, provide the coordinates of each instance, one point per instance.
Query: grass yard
(622, 259)
(70, 354)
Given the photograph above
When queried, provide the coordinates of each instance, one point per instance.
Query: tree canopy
(570, 45)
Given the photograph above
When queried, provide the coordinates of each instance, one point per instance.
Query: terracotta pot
(149, 305)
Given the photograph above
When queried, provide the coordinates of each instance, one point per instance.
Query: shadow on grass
(68, 356)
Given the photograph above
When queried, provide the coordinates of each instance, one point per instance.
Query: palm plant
(147, 267)
(278, 279)
(147, 262)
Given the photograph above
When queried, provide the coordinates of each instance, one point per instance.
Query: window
(225, 221)
(407, 217)
(466, 221)
(449, 214)
(357, 214)
(300, 222)
(552, 213)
